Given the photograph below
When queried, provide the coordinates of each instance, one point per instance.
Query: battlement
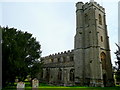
(86, 5)
(81, 5)
(59, 57)
(59, 54)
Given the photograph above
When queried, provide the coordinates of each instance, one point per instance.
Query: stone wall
(58, 68)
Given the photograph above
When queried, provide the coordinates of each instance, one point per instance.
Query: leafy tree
(20, 54)
(35, 69)
(118, 57)
(118, 63)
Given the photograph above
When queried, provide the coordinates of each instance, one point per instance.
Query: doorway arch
(104, 80)
(103, 60)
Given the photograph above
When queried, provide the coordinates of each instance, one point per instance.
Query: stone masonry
(89, 63)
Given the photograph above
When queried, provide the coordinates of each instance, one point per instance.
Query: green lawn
(44, 86)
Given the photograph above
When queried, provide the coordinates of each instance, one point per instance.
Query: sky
(119, 22)
(53, 22)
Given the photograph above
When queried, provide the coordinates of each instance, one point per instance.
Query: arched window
(86, 19)
(103, 60)
(51, 60)
(72, 75)
(60, 74)
(101, 39)
(100, 19)
(71, 58)
(47, 74)
(64, 59)
(58, 59)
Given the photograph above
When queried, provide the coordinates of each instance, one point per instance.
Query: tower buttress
(79, 52)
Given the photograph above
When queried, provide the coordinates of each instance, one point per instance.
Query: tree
(118, 57)
(20, 53)
(118, 63)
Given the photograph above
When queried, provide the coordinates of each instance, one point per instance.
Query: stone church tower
(92, 60)
(89, 63)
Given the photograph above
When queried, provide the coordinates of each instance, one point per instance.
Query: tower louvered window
(100, 19)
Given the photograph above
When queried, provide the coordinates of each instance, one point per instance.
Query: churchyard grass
(46, 86)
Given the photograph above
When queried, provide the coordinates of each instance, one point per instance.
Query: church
(89, 63)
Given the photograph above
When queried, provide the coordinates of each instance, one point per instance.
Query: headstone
(20, 85)
(35, 83)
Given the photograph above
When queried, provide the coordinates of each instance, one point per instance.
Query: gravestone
(35, 83)
(20, 85)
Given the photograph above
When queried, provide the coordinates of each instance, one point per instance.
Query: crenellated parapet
(59, 54)
(87, 5)
(60, 57)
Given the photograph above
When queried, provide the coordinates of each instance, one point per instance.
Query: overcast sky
(53, 23)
